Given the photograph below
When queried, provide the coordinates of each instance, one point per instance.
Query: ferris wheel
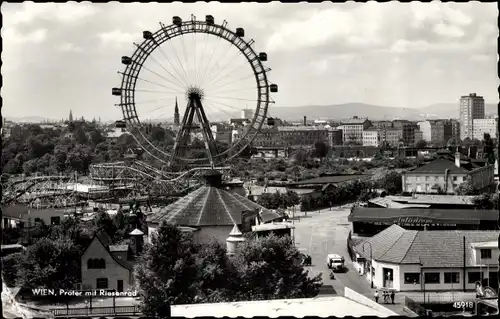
(210, 66)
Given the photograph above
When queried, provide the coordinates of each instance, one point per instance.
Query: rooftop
(436, 248)
(210, 205)
(337, 306)
(438, 166)
(354, 121)
(445, 216)
(434, 199)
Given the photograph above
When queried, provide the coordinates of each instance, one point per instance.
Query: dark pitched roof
(436, 248)
(210, 206)
(105, 240)
(439, 166)
(455, 216)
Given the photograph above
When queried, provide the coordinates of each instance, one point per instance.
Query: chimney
(457, 159)
(305, 120)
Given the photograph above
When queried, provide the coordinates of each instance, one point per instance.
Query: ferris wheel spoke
(212, 78)
(198, 70)
(224, 104)
(184, 71)
(208, 68)
(160, 85)
(154, 100)
(187, 59)
(182, 74)
(234, 98)
(170, 73)
(160, 76)
(232, 82)
(154, 91)
(211, 105)
(238, 90)
(222, 58)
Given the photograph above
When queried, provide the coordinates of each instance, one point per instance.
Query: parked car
(335, 262)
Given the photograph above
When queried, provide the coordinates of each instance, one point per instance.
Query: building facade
(409, 260)
(482, 126)
(443, 176)
(408, 129)
(334, 137)
(372, 137)
(471, 108)
(352, 130)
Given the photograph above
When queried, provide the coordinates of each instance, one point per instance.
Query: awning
(422, 216)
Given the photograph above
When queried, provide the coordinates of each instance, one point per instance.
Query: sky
(58, 57)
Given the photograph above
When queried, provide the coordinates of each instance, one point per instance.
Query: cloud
(69, 47)
(116, 38)
(69, 12)
(12, 36)
(448, 30)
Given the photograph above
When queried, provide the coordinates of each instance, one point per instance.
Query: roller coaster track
(148, 178)
(39, 190)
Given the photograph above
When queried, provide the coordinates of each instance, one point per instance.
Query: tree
(420, 144)
(167, 271)
(50, 264)
(486, 201)
(320, 149)
(217, 275)
(104, 223)
(10, 269)
(392, 182)
(465, 188)
(269, 268)
(489, 149)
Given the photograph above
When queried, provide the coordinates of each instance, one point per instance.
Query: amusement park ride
(199, 81)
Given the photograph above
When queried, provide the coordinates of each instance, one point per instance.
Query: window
(37, 220)
(96, 264)
(102, 283)
(451, 277)
(56, 220)
(432, 277)
(485, 253)
(412, 277)
(474, 276)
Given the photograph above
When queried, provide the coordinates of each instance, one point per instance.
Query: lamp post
(371, 260)
(422, 277)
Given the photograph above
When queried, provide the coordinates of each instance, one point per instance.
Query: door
(119, 285)
(388, 277)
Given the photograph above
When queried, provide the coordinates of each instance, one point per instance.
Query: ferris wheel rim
(167, 33)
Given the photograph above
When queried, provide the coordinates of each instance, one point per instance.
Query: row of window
(449, 277)
(96, 263)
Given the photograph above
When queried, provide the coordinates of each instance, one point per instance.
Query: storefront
(368, 221)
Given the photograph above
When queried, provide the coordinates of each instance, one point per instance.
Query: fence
(415, 307)
(119, 310)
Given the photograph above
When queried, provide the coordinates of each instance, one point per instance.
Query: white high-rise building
(481, 126)
(471, 108)
(247, 114)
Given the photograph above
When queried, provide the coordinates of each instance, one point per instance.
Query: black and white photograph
(249, 159)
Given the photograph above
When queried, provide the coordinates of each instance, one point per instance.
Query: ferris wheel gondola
(203, 80)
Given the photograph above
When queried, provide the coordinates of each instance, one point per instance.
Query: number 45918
(463, 304)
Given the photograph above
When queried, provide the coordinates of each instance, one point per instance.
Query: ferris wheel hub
(194, 92)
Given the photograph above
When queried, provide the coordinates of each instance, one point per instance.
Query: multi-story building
(482, 126)
(372, 137)
(408, 129)
(247, 114)
(392, 136)
(443, 175)
(352, 130)
(419, 136)
(471, 108)
(382, 124)
(334, 137)
(222, 133)
(289, 136)
(435, 131)
(455, 129)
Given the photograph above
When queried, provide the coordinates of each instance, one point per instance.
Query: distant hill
(373, 112)
(29, 119)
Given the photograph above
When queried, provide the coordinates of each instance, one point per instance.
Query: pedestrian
(393, 294)
(376, 296)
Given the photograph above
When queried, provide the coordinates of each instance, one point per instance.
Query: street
(325, 232)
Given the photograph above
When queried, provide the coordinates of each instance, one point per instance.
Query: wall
(204, 234)
(483, 177)
(418, 182)
(113, 270)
